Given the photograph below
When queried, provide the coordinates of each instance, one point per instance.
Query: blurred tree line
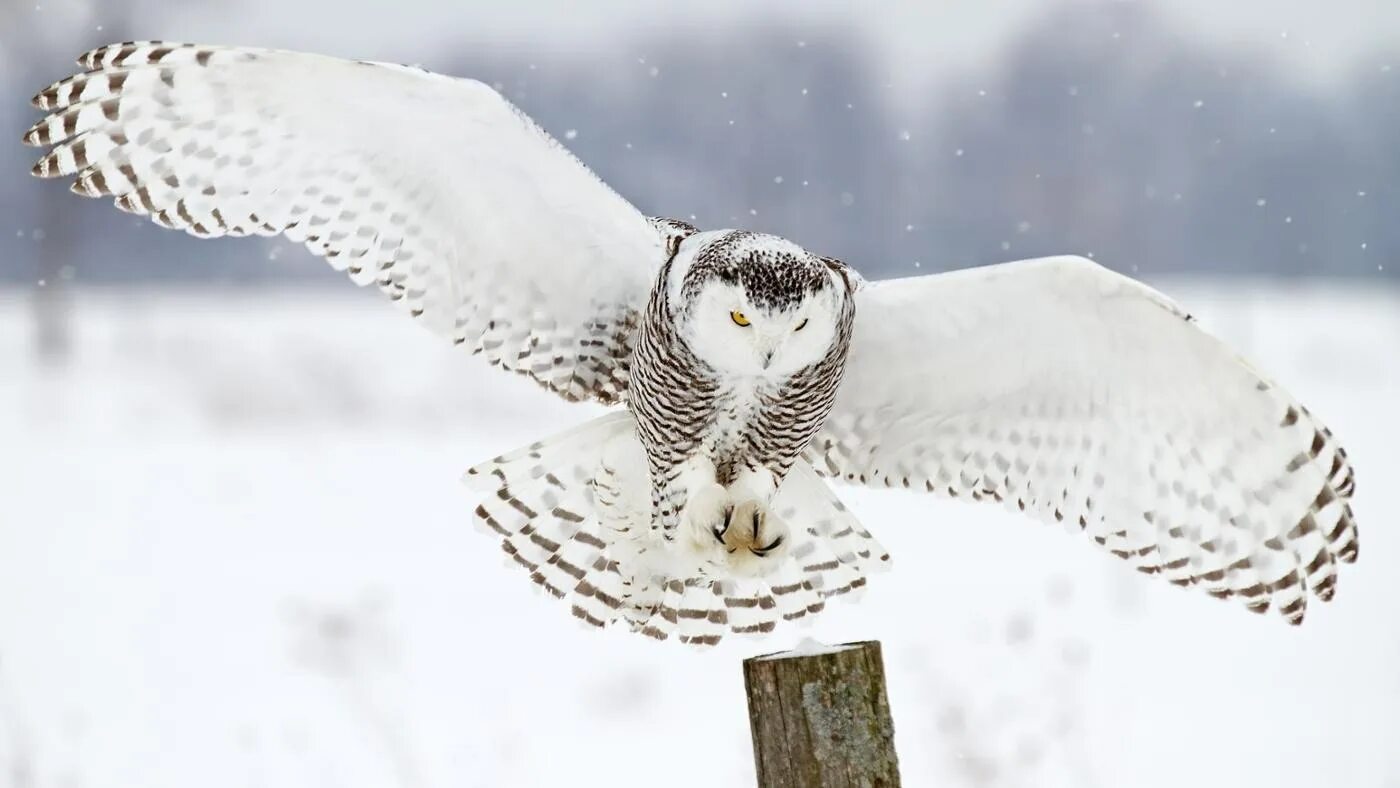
(1100, 129)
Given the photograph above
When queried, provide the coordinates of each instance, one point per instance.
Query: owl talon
(720, 530)
(759, 534)
(741, 538)
(707, 516)
(763, 551)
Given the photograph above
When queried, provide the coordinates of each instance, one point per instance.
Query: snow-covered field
(234, 552)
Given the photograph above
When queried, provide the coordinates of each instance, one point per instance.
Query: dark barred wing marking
(435, 190)
(1059, 389)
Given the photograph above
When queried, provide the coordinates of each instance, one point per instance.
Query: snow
(234, 551)
(811, 647)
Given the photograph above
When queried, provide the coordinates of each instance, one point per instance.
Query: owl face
(755, 305)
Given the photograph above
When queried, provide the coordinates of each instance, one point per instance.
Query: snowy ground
(234, 552)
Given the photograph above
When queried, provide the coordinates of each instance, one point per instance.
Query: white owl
(748, 368)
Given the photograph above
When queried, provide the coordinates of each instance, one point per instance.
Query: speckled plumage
(749, 367)
(684, 405)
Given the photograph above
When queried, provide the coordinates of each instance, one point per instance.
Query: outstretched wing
(435, 189)
(1077, 395)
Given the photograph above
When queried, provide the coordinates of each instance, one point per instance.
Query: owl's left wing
(1082, 397)
(436, 190)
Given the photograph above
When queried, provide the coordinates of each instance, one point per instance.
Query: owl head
(758, 305)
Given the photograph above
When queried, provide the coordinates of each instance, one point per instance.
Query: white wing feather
(436, 189)
(1083, 397)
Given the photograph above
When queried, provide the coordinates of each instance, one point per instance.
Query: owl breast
(688, 414)
(702, 425)
(737, 413)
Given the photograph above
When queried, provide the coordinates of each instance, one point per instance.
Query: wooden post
(820, 718)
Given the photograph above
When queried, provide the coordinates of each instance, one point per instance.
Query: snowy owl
(748, 370)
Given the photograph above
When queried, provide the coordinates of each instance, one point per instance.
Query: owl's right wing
(1081, 397)
(435, 189)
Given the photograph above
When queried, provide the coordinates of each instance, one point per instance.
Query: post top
(810, 647)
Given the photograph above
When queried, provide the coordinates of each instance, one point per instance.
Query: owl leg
(732, 529)
(751, 529)
(706, 503)
(705, 515)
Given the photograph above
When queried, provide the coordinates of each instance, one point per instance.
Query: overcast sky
(922, 39)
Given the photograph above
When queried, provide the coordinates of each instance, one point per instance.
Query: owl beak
(768, 358)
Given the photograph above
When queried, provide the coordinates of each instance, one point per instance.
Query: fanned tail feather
(577, 520)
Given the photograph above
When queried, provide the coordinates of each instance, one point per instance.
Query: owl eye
(738, 318)
(802, 325)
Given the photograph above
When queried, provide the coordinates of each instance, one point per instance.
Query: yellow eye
(738, 318)
(801, 325)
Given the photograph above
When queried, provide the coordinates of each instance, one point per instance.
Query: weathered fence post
(820, 718)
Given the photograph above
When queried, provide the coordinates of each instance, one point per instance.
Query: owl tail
(574, 512)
